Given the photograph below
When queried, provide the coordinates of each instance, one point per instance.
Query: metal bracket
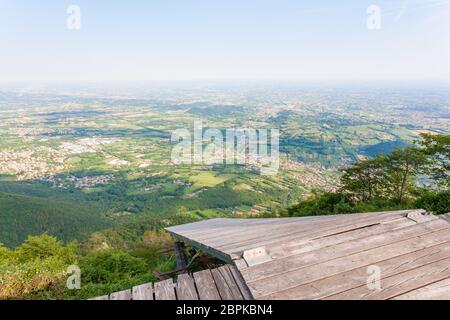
(420, 216)
(256, 256)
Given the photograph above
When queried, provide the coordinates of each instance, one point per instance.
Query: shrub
(40, 262)
(434, 201)
(109, 266)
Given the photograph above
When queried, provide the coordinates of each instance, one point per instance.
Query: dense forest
(70, 214)
(63, 218)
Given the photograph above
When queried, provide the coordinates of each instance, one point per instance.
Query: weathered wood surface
(332, 267)
(143, 292)
(295, 233)
(228, 289)
(186, 288)
(206, 286)
(435, 291)
(446, 217)
(328, 257)
(122, 295)
(223, 283)
(400, 283)
(101, 298)
(296, 262)
(233, 236)
(347, 280)
(245, 291)
(165, 290)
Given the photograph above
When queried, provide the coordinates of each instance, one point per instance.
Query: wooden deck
(224, 283)
(328, 257)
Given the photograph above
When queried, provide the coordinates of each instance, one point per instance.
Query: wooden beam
(180, 256)
(206, 249)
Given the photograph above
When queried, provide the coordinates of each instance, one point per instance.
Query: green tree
(322, 204)
(4, 253)
(44, 247)
(363, 180)
(437, 148)
(402, 167)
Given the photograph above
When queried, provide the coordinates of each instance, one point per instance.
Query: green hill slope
(23, 215)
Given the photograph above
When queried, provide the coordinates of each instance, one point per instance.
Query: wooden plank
(143, 292)
(435, 291)
(206, 286)
(101, 298)
(245, 291)
(226, 285)
(165, 290)
(293, 247)
(240, 264)
(292, 263)
(218, 228)
(241, 230)
(419, 217)
(248, 232)
(316, 271)
(122, 295)
(400, 283)
(197, 229)
(270, 236)
(221, 237)
(222, 254)
(186, 288)
(353, 278)
(326, 227)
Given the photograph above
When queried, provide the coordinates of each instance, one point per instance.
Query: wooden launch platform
(385, 255)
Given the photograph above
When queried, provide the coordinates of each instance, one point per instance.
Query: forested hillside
(65, 219)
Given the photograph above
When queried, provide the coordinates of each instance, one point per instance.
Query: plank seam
(346, 255)
(424, 265)
(425, 285)
(394, 274)
(311, 282)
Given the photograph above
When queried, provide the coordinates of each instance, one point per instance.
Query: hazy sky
(227, 39)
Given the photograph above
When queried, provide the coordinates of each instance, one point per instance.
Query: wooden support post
(180, 256)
